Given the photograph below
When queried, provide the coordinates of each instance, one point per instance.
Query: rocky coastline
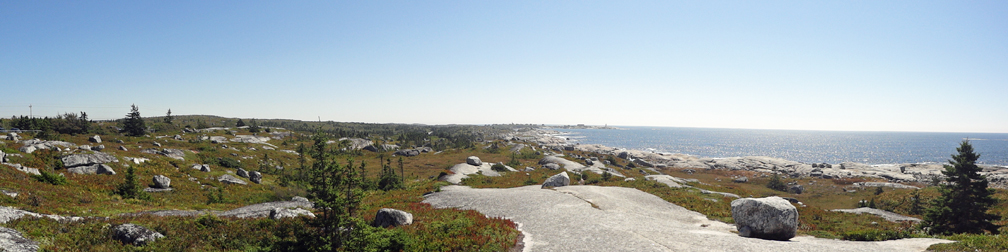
(922, 173)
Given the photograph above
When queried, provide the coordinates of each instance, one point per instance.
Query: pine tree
(133, 124)
(168, 117)
(965, 198)
(240, 123)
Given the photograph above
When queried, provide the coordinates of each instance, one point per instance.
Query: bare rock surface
(12, 241)
(462, 171)
(626, 219)
(889, 216)
(595, 167)
(10, 213)
(24, 169)
(87, 159)
(261, 210)
(280, 213)
(135, 234)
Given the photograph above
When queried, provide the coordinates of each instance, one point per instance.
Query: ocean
(799, 145)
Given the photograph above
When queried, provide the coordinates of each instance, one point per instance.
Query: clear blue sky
(838, 65)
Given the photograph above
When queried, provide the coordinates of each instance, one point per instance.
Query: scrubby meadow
(351, 170)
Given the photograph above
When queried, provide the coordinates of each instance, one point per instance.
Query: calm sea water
(804, 146)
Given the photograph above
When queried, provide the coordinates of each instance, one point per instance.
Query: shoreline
(925, 173)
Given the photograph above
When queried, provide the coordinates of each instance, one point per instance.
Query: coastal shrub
(51, 178)
(215, 196)
(498, 167)
(606, 176)
(129, 189)
(229, 162)
(776, 184)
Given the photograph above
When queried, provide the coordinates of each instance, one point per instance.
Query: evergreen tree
(776, 183)
(167, 118)
(335, 190)
(133, 124)
(965, 198)
(240, 123)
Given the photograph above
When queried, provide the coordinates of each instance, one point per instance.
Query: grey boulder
(392, 217)
(201, 167)
(95, 139)
(255, 177)
(161, 181)
(474, 160)
(561, 179)
(242, 173)
(135, 234)
(98, 148)
(407, 152)
(122, 148)
(772, 218)
(228, 179)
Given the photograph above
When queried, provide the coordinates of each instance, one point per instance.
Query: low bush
(498, 167)
(51, 178)
(874, 235)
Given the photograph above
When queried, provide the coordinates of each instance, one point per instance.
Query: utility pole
(30, 115)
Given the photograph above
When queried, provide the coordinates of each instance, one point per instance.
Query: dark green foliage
(51, 178)
(776, 183)
(215, 196)
(68, 123)
(498, 167)
(631, 165)
(871, 204)
(874, 235)
(878, 190)
(514, 160)
(606, 176)
(254, 127)
(611, 160)
(965, 198)
(335, 190)
(133, 124)
(530, 181)
(240, 123)
(229, 162)
(915, 203)
(167, 118)
(387, 178)
(129, 189)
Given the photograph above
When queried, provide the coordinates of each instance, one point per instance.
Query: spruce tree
(965, 198)
(133, 124)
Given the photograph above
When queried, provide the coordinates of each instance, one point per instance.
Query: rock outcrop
(95, 139)
(135, 234)
(87, 159)
(889, 216)
(561, 179)
(407, 152)
(12, 241)
(772, 218)
(36, 144)
(391, 217)
(24, 169)
(242, 173)
(280, 213)
(92, 169)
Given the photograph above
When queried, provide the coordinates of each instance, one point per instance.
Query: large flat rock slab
(592, 218)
